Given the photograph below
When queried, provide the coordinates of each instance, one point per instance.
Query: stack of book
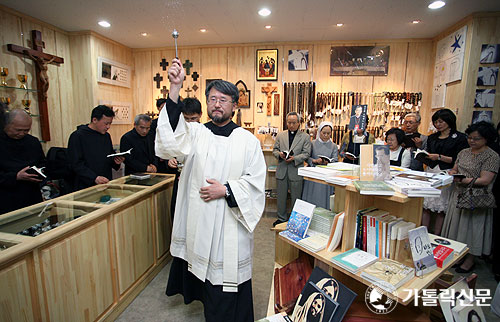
(336, 232)
(388, 274)
(376, 188)
(354, 260)
(319, 230)
(413, 189)
(457, 247)
(424, 179)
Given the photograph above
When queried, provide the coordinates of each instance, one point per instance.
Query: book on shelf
(375, 162)
(354, 260)
(341, 180)
(358, 235)
(37, 171)
(140, 176)
(419, 178)
(119, 153)
(388, 274)
(413, 189)
(331, 291)
(319, 230)
(389, 246)
(403, 249)
(335, 237)
(394, 238)
(421, 251)
(372, 241)
(314, 243)
(375, 188)
(457, 247)
(442, 255)
(299, 221)
(325, 158)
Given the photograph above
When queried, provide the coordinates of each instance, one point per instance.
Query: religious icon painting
(359, 60)
(244, 100)
(267, 64)
(298, 59)
(260, 106)
(478, 116)
(484, 98)
(490, 54)
(487, 76)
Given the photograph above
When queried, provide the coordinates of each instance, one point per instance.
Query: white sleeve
(406, 159)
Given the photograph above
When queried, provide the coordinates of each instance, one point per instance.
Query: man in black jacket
(88, 148)
(142, 157)
(18, 152)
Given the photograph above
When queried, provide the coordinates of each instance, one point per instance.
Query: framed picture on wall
(123, 111)
(484, 98)
(260, 105)
(478, 116)
(244, 100)
(487, 76)
(490, 54)
(113, 73)
(359, 60)
(298, 59)
(267, 64)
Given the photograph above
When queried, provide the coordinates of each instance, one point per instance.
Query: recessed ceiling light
(264, 12)
(340, 24)
(104, 24)
(415, 21)
(436, 4)
(203, 30)
(268, 27)
(144, 34)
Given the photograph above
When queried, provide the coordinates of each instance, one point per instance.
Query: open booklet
(119, 153)
(287, 154)
(325, 158)
(38, 171)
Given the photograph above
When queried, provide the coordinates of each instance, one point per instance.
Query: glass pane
(154, 179)
(107, 194)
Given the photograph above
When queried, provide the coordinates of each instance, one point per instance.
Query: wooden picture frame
(359, 60)
(267, 64)
(244, 100)
(113, 73)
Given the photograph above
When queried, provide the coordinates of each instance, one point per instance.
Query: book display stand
(349, 200)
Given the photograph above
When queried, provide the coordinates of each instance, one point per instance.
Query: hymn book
(325, 158)
(38, 171)
(119, 153)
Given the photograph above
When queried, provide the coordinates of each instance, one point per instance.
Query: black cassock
(14, 156)
(142, 154)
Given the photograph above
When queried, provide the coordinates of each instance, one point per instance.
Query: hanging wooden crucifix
(164, 64)
(187, 66)
(158, 79)
(41, 60)
(269, 90)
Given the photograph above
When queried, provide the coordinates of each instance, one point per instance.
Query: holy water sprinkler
(175, 35)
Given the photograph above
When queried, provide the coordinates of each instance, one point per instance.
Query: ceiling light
(264, 12)
(144, 34)
(415, 21)
(268, 27)
(104, 24)
(203, 30)
(340, 24)
(436, 4)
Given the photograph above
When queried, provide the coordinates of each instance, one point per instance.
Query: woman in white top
(400, 156)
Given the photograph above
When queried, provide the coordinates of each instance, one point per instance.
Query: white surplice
(215, 240)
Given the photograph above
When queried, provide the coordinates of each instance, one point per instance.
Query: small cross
(164, 64)
(164, 91)
(195, 76)
(187, 65)
(158, 79)
(188, 90)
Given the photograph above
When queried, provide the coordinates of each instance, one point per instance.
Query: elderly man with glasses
(414, 140)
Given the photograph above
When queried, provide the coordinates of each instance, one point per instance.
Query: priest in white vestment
(219, 202)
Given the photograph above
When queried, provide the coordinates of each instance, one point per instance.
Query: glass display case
(45, 217)
(154, 179)
(103, 194)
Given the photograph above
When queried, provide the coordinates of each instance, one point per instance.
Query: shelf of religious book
(97, 248)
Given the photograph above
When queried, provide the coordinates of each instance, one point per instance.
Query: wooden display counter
(410, 209)
(92, 265)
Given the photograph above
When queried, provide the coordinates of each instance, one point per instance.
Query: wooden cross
(269, 90)
(164, 91)
(188, 90)
(187, 66)
(195, 76)
(164, 64)
(158, 79)
(41, 60)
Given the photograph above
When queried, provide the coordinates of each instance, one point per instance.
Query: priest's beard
(219, 119)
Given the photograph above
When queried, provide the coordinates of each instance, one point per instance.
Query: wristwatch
(228, 194)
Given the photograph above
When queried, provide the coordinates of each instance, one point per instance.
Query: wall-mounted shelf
(20, 89)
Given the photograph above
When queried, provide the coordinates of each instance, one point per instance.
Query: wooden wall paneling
(134, 242)
(67, 115)
(156, 56)
(143, 87)
(213, 65)
(241, 66)
(77, 276)
(261, 119)
(321, 70)
(16, 293)
(395, 79)
(82, 80)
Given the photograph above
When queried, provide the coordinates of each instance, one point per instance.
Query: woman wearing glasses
(479, 163)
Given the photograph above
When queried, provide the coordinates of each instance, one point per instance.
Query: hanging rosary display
(300, 98)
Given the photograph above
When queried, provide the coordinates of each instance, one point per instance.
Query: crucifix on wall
(41, 60)
(269, 90)
(187, 66)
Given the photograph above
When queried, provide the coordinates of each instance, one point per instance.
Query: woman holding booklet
(323, 151)
(479, 164)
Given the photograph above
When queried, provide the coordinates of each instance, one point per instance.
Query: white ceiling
(237, 21)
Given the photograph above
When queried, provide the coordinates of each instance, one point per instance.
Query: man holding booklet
(88, 148)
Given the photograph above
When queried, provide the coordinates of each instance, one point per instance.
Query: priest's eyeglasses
(222, 101)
